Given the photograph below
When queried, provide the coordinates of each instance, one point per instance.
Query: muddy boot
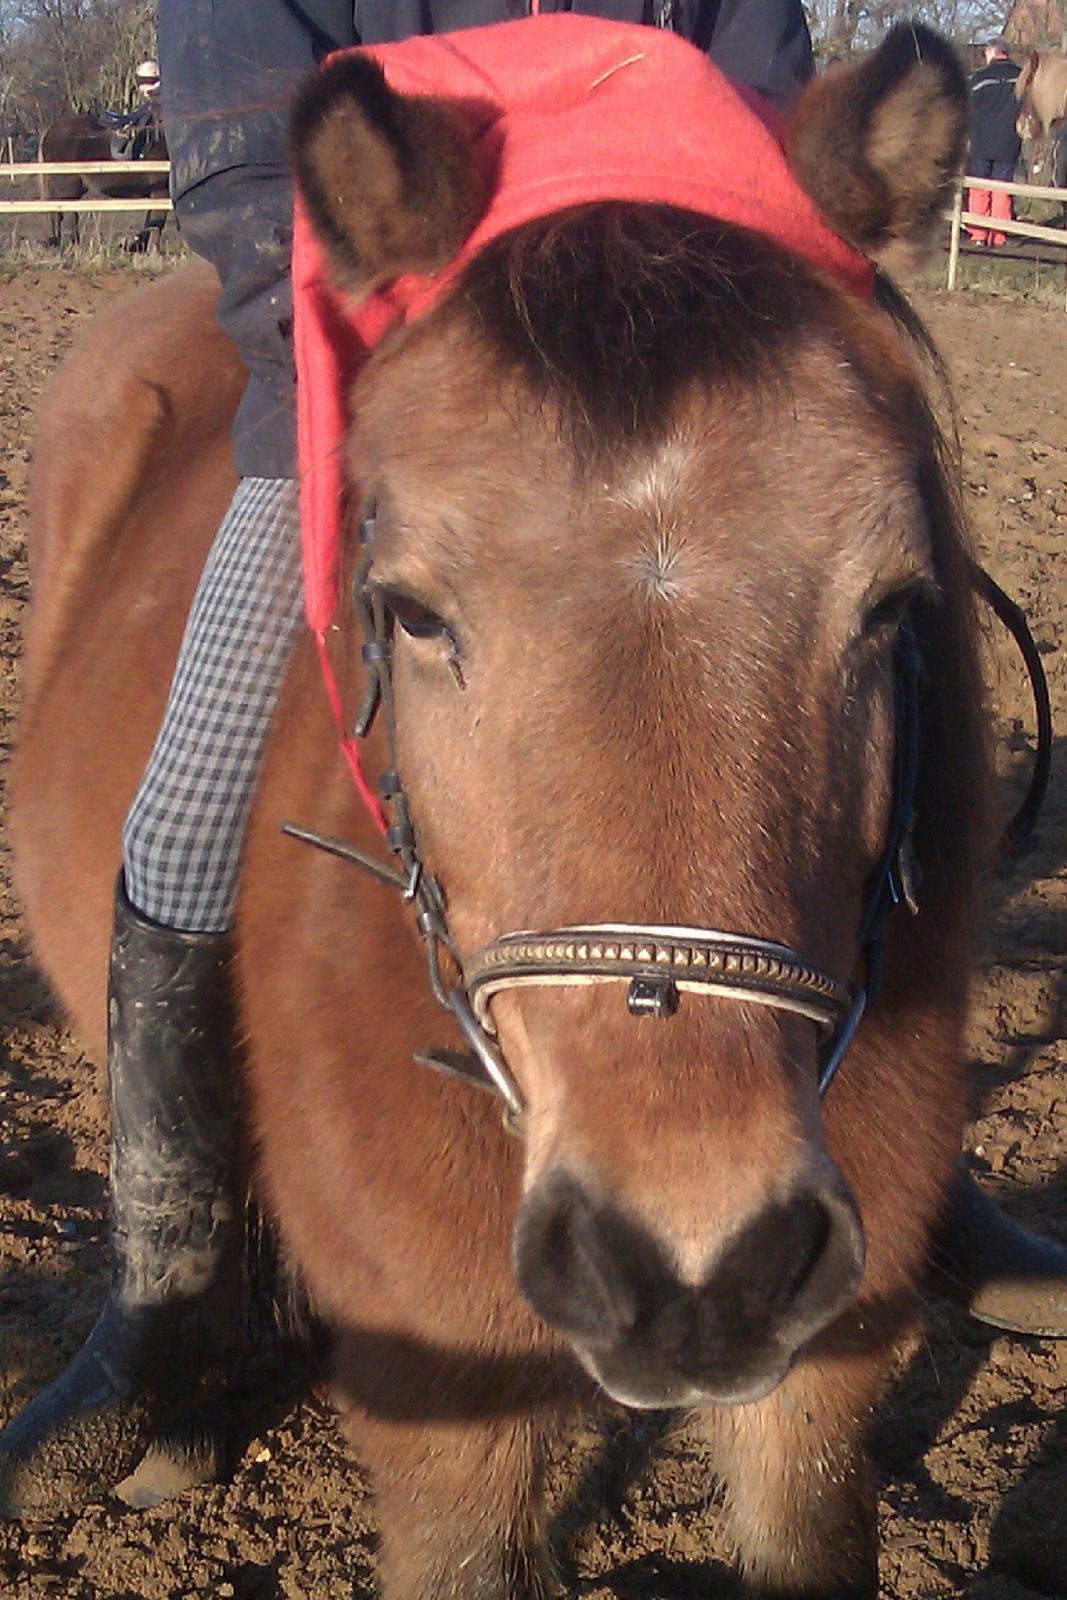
(1003, 1275)
(171, 1330)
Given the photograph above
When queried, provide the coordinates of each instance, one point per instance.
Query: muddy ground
(970, 1446)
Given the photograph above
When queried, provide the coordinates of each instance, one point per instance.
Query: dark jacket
(994, 109)
(132, 132)
(229, 69)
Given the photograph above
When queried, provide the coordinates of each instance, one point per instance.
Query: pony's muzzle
(650, 1338)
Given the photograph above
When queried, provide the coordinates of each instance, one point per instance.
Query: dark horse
(81, 137)
(654, 503)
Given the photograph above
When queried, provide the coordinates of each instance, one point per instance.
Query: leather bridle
(658, 964)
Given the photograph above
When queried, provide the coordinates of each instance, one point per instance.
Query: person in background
(137, 135)
(132, 131)
(230, 70)
(995, 144)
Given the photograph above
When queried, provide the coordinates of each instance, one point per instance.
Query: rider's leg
(183, 835)
(172, 1321)
(1003, 1274)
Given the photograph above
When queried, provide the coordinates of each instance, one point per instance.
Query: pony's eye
(417, 620)
(885, 615)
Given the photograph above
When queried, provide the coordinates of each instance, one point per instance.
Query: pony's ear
(877, 145)
(390, 184)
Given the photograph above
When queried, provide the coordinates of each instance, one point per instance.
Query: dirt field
(971, 1446)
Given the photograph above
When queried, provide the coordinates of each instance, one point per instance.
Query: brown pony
(82, 137)
(653, 500)
(1041, 90)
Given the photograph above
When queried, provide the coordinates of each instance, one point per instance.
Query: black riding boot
(171, 1328)
(1003, 1274)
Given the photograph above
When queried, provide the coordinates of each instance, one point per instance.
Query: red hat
(564, 110)
(585, 110)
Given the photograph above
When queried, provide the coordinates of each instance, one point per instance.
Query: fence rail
(1025, 230)
(55, 169)
(16, 171)
(26, 208)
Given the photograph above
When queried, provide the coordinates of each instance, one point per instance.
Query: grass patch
(88, 256)
(1026, 271)
(103, 243)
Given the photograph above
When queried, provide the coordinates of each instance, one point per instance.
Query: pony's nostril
(828, 1238)
(805, 1242)
(791, 1269)
(575, 1262)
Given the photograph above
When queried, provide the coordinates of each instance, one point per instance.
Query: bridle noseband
(657, 964)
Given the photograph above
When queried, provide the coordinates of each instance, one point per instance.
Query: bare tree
(70, 55)
(840, 27)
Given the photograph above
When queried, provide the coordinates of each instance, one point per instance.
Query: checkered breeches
(183, 835)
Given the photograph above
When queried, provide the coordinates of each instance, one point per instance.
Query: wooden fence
(29, 170)
(1027, 230)
(24, 171)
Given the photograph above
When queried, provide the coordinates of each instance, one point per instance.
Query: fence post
(954, 238)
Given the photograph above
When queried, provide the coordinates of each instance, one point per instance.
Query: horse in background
(85, 137)
(1041, 90)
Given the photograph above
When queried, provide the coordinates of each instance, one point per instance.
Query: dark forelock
(613, 310)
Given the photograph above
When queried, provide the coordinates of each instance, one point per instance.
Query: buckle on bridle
(652, 997)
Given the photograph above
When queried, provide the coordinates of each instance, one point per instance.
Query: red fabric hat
(565, 110)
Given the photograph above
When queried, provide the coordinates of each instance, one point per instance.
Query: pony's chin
(646, 1392)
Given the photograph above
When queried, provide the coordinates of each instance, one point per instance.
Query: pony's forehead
(808, 470)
